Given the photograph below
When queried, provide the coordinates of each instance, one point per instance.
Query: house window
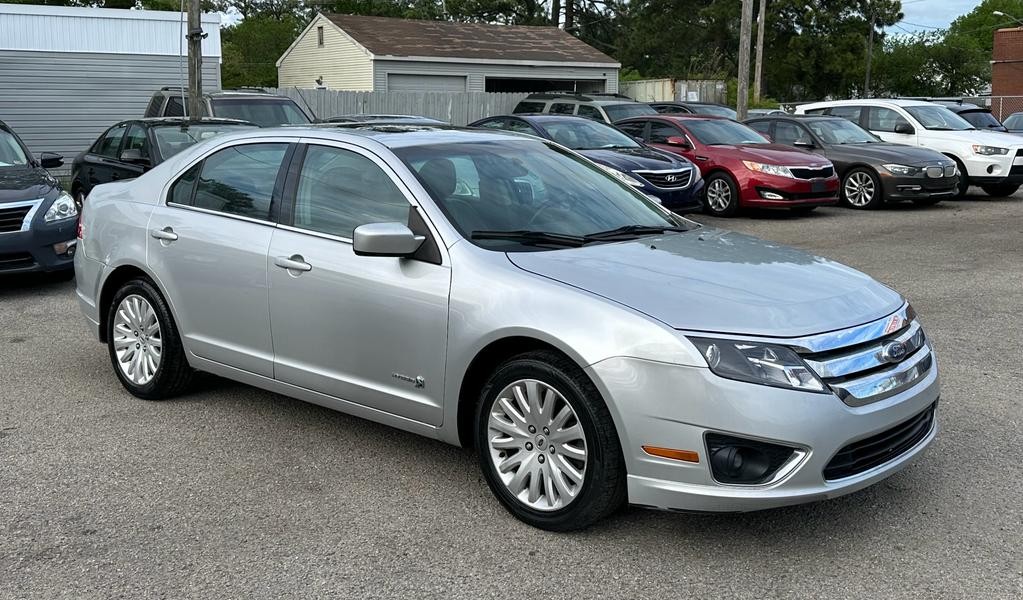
(319, 36)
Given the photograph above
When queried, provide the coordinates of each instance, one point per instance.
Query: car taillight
(79, 230)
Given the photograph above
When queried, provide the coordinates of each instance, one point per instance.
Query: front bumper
(995, 170)
(671, 406)
(772, 191)
(32, 250)
(916, 187)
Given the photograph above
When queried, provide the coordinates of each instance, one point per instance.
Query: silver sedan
(502, 292)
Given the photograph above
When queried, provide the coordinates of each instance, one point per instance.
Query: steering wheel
(545, 207)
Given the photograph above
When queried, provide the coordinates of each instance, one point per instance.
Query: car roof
(868, 102)
(187, 121)
(391, 135)
(800, 118)
(543, 117)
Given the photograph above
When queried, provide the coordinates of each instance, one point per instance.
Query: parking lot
(235, 492)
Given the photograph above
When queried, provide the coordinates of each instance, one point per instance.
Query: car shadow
(13, 287)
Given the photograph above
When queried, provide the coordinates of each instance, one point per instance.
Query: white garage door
(425, 83)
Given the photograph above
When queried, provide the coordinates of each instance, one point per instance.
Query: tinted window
(508, 125)
(760, 126)
(817, 111)
(635, 128)
(111, 141)
(265, 112)
(981, 119)
(723, 132)
(714, 109)
(846, 112)
(840, 131)
(583, 134)
(938, 118)
(240, 180)
(585, 110)
(789, 133)
(174, 139)
(617, 112)
(136, 140)
(11, 152)
(181, 191)
(340, 190)
(528, 107)
(174, 107)
(1014, 121)
(562, 108)
(660, 132)
(670, 109)
(886, 119)
(153, 110)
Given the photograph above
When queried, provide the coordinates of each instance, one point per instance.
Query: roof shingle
(386, 36)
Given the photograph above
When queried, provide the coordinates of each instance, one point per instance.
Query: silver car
(502, 292)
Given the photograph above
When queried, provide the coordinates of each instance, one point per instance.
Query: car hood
(882, 153)
(773, 154)
(719, 281)
(635, 159)
(17, 184)
(977, 136)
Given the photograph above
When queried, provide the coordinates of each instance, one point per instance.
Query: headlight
(754, 362)
(62, 208)
(768, 169)
(621, 176)
(989, 150)
(901, 169)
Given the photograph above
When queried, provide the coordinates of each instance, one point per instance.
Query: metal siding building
(66, 74)
(348, 52)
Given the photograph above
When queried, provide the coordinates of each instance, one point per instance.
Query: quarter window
(884, 119)
(338, 190)
(174, 107)
(562, 108)
(181, 191)
(240, 180)
(111, 141)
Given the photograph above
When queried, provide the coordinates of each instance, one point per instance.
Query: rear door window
(590, 112)
(137, 140)
(110, 142)
(884, 119)
(789, 133)
(761, 126)
(240, 180)
(633, 128)
(529, 107)
(847, 112)
(660, 132)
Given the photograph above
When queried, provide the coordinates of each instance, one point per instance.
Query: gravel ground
(232, 492)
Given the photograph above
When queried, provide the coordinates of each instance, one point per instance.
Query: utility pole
(870, 57)
(744, 48)
(759, 68)
(195, 37)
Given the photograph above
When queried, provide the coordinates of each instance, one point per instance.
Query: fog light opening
(740, 464)
(770, 195)
(65, 248)
(741, 461)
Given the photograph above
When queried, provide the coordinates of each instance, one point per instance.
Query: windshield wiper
(528, 236)
(633, 230)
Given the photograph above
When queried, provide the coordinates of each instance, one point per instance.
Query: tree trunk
(569, 15)
(556, 13)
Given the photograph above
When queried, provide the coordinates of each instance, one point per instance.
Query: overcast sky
(932, 13)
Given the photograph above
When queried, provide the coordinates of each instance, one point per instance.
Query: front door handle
(166, 234)
(293, 263)
(698, 157)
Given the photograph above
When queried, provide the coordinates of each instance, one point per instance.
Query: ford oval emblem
(893, 352)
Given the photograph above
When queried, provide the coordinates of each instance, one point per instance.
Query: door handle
(166, 234)
(293, 263)
(698, 157)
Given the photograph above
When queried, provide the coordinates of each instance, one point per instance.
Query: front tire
(964, 180)
(1000, 190)
(861, 189)
(721, 195)
(547, 444)
(144, 345)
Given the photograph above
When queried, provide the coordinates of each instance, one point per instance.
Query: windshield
(982, 119)
(527, 185)
(1014, 121)
(716, 132)
(172, 140)
(265, 112)
(584, 134)
(11, 152)
(840, 131)
(938, 118)
(713, 109)
(617, 112)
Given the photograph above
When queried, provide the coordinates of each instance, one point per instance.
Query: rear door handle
(293, 263)
(165, 234)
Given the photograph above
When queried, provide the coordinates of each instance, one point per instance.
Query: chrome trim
(218, 213)
(887, 383)
(867, 358)
(26, 222)
(842, 338)
(686, 171)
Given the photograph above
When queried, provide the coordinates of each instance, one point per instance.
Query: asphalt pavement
(232, 492)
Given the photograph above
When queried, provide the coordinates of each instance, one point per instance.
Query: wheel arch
(113, 282)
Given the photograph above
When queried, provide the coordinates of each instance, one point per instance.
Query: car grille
(871, 362)
(938, 171)
(807, 173)
(876, 450)
(667, 179)
(18, 260)
(11, 219)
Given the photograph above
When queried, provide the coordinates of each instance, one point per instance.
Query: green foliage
(931, 64)
(252, 47)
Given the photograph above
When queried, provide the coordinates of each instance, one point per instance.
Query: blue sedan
(671, 179)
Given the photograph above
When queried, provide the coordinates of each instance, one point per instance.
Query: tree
(251, 49)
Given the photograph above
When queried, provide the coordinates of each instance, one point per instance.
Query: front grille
(807, 173)
(18, 260)
(935, 172)
(667, 179)
(950, 171)
(876, 450)
(11, 219)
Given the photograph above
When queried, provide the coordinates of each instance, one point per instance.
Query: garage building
(348, 52)
(68, 73)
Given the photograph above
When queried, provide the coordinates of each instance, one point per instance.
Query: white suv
(990, 159)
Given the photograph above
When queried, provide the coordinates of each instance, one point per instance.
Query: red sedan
(741, 167)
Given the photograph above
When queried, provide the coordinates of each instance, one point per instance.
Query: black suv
(130, 148)
(255, 106)
(599, 107)
(37, 218)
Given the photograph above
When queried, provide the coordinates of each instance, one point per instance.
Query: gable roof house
(348, 52)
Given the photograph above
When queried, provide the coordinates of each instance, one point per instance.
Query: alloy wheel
(537, 445)
(719, 195)
(859, 189)
(137, 340)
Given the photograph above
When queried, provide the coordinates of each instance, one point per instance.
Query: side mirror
(679, 142)
(385, 239)
(905, 128)
(803, 143)
(50, 160)
(134, 156)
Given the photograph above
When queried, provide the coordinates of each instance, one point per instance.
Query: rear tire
(144, 345)
(536, 402)
(1000, 190)
(721, 195)
(861, 189)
